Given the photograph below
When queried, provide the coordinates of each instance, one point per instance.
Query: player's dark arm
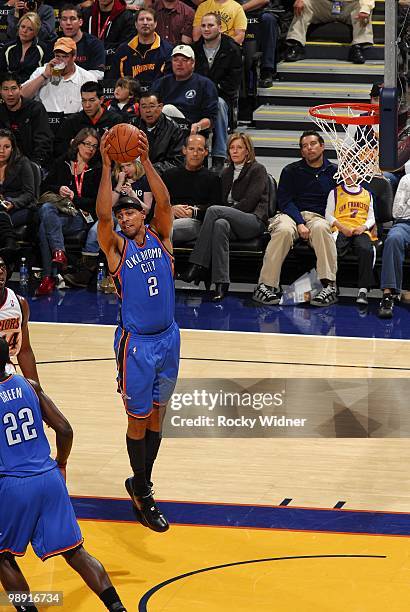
(163, 218)
(25, 358)
(57, 421)
(110, 241)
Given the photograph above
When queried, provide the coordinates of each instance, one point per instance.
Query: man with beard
(146, 57)
(147, 339)
(302, 197)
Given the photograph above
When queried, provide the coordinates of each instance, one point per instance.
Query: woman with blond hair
(47, 31)
(27, 53)
(244, 215)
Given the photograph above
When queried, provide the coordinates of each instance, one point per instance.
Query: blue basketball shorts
(147, 368)
(37, 509)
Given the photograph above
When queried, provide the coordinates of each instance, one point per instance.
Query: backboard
(394, 99)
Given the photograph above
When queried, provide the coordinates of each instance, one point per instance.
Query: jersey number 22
(25, 424)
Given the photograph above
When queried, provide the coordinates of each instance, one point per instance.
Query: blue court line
(256, 517)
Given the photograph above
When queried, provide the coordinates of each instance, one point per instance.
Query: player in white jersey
(14, 316)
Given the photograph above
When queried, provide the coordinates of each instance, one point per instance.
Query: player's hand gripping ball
(123, 139)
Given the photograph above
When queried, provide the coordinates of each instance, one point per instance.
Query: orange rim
(372, 118)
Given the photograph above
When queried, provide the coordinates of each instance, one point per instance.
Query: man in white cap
(58, 83)
(193, 95)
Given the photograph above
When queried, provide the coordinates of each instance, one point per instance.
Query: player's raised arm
(163, 219)
(57, 421)
(110, 242)
(25, 357)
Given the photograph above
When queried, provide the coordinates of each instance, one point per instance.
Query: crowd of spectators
(173, 69)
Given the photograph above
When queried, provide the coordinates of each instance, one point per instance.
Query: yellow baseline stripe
(336, 44)
(319, 91)
(325, 65)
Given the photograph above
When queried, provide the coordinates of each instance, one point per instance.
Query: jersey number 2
(26, 422)
(153, 285)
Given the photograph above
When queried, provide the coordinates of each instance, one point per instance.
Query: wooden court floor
(335, 572)
(78, 371)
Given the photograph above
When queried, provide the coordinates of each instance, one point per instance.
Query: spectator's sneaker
(326, 297)
(266, 295)
(147, 510)
(386, 306)
(46, 286)
(356, 55)
(362, 298)
(59, 258)
(294, 52)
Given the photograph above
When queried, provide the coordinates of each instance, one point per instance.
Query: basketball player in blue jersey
(14, 316)
(147, 340)
(34, 502)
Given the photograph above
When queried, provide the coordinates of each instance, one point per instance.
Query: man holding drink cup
(58, 83)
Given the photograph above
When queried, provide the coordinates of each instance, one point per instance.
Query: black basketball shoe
(146, 510)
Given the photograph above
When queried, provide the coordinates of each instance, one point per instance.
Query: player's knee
(7, 559)
(75, 555)
(136, 427)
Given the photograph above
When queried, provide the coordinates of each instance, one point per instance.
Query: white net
(357, 146)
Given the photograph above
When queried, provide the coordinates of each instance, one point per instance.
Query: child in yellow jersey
(350, 213)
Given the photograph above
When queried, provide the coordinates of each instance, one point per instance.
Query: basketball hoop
(353, 130)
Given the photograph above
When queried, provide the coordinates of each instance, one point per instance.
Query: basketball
(123, 139)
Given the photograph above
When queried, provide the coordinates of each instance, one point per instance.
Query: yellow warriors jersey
(352, 209)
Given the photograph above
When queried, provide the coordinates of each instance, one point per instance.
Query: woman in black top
(244, 215)
(17, 193)
(76, 177)
(23, 56)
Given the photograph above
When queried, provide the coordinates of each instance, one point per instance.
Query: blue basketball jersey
(145, 285)
(24, 448)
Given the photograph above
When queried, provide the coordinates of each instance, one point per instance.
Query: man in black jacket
(192, 190)
(165, 137)
(219, 57)
(27, 119)
(94, 115)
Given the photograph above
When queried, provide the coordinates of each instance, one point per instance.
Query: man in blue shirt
(302, 196)
(193, 95)
(34, 502)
